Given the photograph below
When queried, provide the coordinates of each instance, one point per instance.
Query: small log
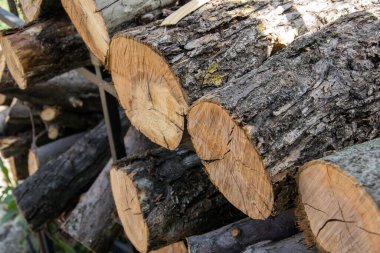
(98, 20)
(164, 196)
(54, 131)
(34, 9)
(18, 165)
(294, 244)
(340, 198)
(93, 221)
(159, 71)
(234, 238)
(311, 98)
(69, 91)
(39, 156)
(178, 247)
(54, 187)
(42, 50)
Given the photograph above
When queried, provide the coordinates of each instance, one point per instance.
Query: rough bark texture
(340, 199)
(294, 244)
(221, 41)
(53, 188)
(42, 50)
(169, 198)
(234, 238)
(319, 94)
(98, 20)
(69, 91)
(34, 9)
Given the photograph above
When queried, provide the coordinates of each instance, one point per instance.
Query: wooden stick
(160, 71)
(340, 199)
(310, 98)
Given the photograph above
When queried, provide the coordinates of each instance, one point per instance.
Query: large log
(54, 187)
(42, 50)
(178, 247)
(319, 94)
(93, 221)
(294, 244)
(160, 71)
(164, 196)
(69, 91)
(340, 199)
(234, 238)
(98, 20)
(34, 9)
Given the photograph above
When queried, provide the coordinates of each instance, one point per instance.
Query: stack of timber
(251, 126)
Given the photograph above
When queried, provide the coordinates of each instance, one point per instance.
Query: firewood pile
(254, 124)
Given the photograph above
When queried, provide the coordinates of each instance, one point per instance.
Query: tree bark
(18, 165)
(69, 91)
(340, 199)
(93, 221)
(211, 47)
(34, 9)
(319, 94)
(54, 187)
(98, 20)
(163, 196)
(234, 238)
(294, 244)
(42, 50)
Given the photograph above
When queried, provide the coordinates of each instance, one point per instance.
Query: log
(159, 71)
(39, 156)
(54, 131)
(66, 119)
(34, 9)
(54, 187)
(93, 221)
(42, 50)
(178, 247)
(234, 238)
(69, 91)
(311, 98)
(164, 196)
(294, 244)
(18, 165)
(340, 198)
(98, 20)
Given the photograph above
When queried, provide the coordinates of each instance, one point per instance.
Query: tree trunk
(34, 9)
(98, 20)
(54, 187)
(160, 71)
(93, 221)
(340, 199)
(42, 50)
(294, 244)
(178, 247)
(39, 157)
(317, 95)
(163, 196)
(69, 91)
(234, 238)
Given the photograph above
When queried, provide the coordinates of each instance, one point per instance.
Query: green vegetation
(4, 5)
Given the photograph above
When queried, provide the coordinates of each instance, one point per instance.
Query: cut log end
(179, 247)
(336, 212)
(231, 161)
(90, 24)
(129, 210)
(148, 90)
(49, 114)
(31, 9)
(33, 161)
(53, 132)
(13, 62)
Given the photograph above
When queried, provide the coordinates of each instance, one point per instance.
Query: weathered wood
(42, 50)
(164, 196)
(294, 244)
(39, 156)
(98, 20)
(18, 165)
(178, 247)
(160, 71)
(69, 91)
(93, 221)
(340, 199)
(319, 94)
(34, 9)
(54, 187)
(234, 238)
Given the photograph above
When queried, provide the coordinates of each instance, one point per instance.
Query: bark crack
(107, 6)
(306, 204)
